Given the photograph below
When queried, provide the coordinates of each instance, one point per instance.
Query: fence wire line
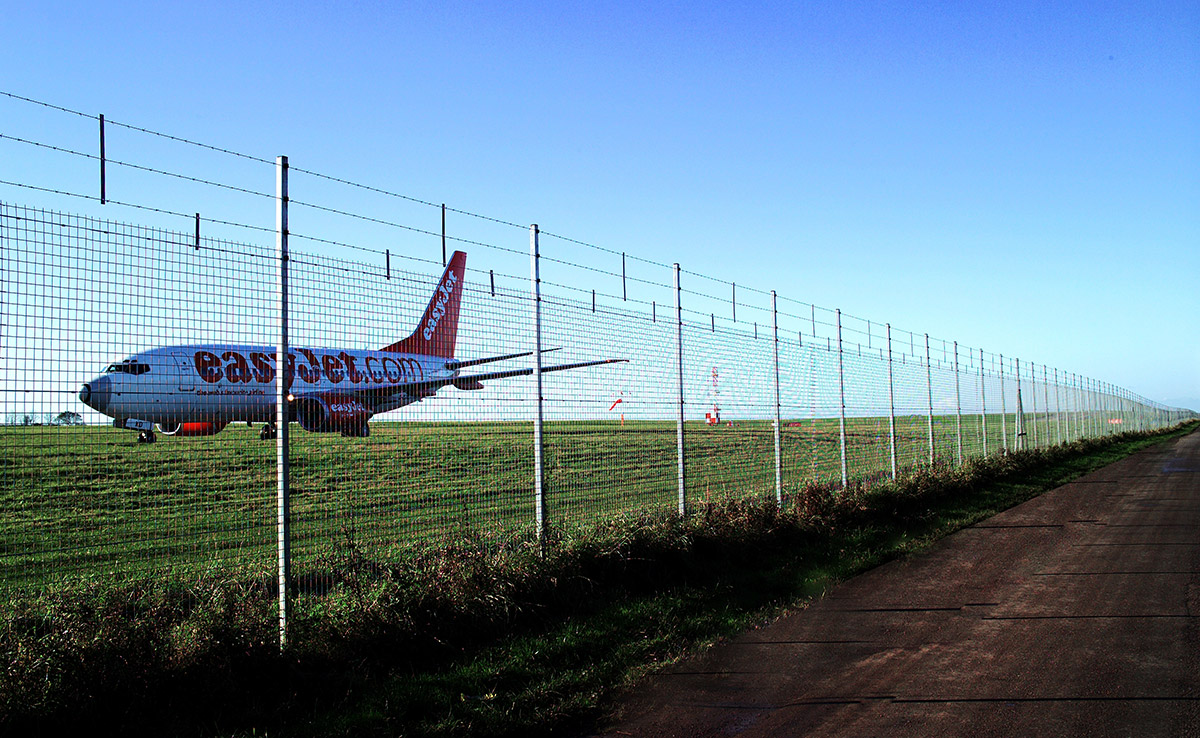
(341, 212)
(335, 211)
(327, 177)
(81, 498)
(367, 218)
(717, 341)
(346, 182)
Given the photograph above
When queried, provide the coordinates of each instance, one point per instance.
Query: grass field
(480, 636)
(89, 501)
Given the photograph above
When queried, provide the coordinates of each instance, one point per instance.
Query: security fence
(144, 430)
(764, 411)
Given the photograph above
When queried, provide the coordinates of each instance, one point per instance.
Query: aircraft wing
(390, 397)
(456, 364)
(473, 381)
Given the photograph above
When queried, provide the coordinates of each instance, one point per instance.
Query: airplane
(196, 390)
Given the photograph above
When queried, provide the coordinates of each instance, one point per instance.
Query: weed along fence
(196, 396)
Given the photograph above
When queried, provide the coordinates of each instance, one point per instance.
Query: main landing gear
(147, 436)
(268, 432)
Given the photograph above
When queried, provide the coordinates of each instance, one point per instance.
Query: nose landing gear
(147, 436)
(268, 432)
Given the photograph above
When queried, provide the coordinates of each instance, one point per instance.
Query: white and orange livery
(197, 390)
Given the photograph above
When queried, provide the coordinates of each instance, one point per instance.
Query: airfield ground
(79, 501)
(472, 638)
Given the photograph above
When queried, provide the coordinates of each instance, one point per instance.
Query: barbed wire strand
(152, 170)
(331, 178)
(381, 191)
(163, 211)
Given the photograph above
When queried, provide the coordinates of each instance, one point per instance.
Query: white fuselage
(230, 383)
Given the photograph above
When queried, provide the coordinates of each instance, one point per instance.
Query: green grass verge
(484, 635)
(90, 500)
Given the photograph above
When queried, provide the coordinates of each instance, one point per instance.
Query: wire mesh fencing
(117, 334)
(82, 298)
(151, 376)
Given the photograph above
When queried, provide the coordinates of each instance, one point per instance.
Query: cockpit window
(129, 366)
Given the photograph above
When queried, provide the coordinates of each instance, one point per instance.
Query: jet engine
(196, 428)
(329, 413)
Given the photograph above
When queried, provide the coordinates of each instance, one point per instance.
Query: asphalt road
(1073, 614)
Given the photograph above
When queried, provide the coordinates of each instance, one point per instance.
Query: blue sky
(1022, 177)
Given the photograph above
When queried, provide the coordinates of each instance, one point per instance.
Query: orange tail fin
(436, 332)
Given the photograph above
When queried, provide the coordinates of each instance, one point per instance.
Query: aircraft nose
(96, 393)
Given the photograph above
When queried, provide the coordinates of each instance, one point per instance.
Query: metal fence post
(1033, 401)
(1046, 399)
(778, 410)
(891, 404)
(1083, 428)
(1078, 401)
(1019, 420)
(1083, 420)
(1117, 409)
(1101, 408)
(1092, 407)
(929, 393)
(982, 403)
(842, 402)
(1087, 416)
(1057, 409)
(1114, 405)
(1084, 407)
(679, 423)
(282, 470)
(535, 288)
(1092, 414)
(779, 418)
(103, 158)
(957, 405)
(1086, 402)
(1113, 408)
(1106, 388)
(1067, 409)
(1003, 409)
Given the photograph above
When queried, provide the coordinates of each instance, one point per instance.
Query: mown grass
(481, 635)
(79, 501)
